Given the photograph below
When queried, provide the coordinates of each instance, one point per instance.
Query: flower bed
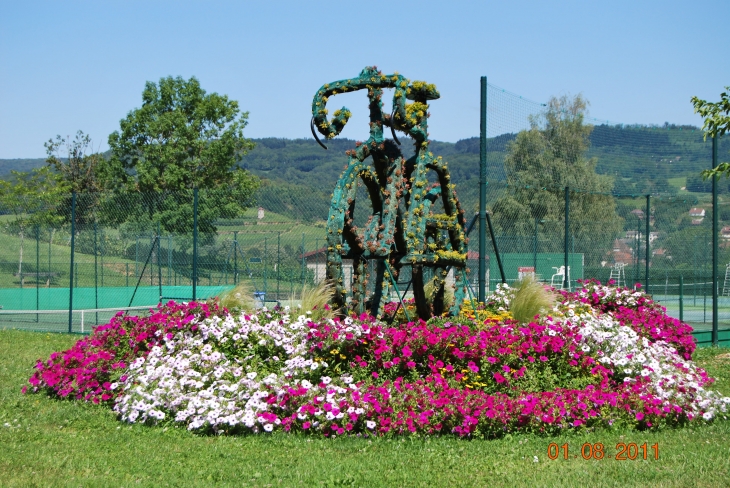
(602, 356)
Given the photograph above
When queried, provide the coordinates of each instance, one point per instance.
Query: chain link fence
(570, 198)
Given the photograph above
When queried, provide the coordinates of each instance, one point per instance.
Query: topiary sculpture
(402, 229)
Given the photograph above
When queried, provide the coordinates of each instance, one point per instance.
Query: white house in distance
(697, 214)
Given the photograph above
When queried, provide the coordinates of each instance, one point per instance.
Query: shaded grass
(63, 443)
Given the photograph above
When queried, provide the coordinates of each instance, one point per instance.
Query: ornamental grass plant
(530, 298)
(238, 297)
(316, 299)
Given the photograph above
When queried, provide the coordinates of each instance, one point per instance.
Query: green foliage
(716, 114)
(181, 138)
(79, 171)
(530, 299)
(31, 197)
(717, 123)
(540, 163)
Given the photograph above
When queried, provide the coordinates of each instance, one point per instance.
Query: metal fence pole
(96, 275)
(159, 266)
(681, 298)
(195, 242)
(566, 262)
(715, 248)
(152, 250)
(235, 257)
(265, 259)
(101, 256)
(38, 268)
(71, 268)
(303, 266)
(136, 255)
(648, 242)
(278, 264)
(50, 234)
(483, 191)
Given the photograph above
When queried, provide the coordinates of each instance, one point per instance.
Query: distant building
(622, 252)
(697, 214)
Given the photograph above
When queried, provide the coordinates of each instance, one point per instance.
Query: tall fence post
(195, 242)
(38, 268)
(648, 242)
(715, 248)
(266, 253)
(681, 298)
(102, 248)
(159, 266)
(278, 264)
(71, 268)
(235, 257)
(96, 274)
(303, 266)
(483, 190)
(566, 261)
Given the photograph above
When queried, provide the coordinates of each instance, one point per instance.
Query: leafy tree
(717, 123)
(78, 171)
(179, 139)
(539, 164)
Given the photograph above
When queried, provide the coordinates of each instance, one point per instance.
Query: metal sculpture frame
(402, 229)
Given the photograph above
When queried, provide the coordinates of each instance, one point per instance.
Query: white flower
(370, 424)
(268, 427)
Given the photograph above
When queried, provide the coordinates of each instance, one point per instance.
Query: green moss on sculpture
(402, 230)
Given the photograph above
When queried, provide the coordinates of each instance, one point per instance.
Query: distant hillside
(8, 165)
(299, 175)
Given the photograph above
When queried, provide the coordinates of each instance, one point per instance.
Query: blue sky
(82, 65)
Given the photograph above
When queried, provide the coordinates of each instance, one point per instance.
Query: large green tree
(181, 138)
(539, 164)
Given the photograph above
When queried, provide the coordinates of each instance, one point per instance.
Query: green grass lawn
(47, 442)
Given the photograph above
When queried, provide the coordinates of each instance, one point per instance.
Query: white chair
(560, 272)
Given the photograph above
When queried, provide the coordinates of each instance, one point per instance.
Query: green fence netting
(613, 201)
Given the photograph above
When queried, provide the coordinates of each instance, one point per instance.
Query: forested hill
(640, 159)
(8, 165)
(300, 175)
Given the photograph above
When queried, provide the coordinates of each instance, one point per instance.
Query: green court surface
(52, 305)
